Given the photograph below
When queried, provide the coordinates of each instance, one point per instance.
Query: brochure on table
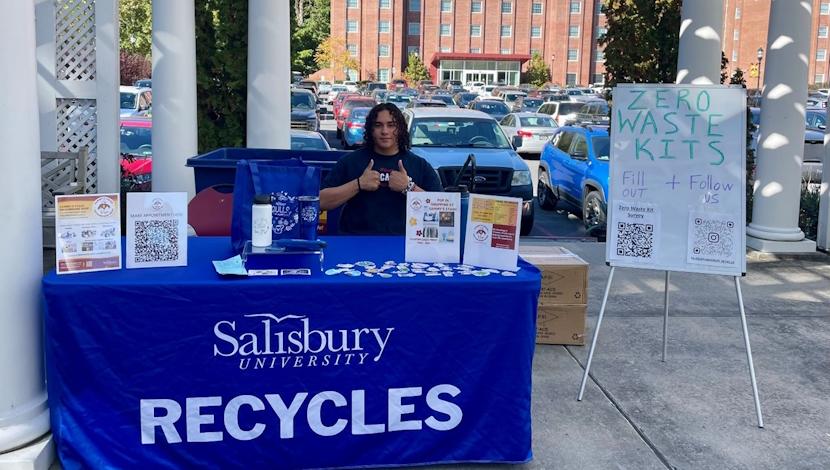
(87, 233)
(156, 230)
(433, 222)
(493, 227)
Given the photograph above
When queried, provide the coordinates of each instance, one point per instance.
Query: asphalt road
(548, 224)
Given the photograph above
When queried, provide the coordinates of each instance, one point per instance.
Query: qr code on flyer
(713, 239)
(635, 240)
(156, 240)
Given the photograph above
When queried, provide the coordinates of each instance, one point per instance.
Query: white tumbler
(261, 220)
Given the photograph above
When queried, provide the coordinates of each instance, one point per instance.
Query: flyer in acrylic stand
(156, 230)
(493, 227)
(433, 223)
(87, 233)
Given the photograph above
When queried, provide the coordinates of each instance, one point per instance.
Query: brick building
(469, 40)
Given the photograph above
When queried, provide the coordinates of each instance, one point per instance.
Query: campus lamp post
(760, 58)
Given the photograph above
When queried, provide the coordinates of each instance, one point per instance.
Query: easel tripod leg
(749, 353)
(596, 335)
(666, 317)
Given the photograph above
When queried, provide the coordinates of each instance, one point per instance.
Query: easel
(665, 334)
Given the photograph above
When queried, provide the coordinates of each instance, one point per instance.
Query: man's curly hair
(397, 117)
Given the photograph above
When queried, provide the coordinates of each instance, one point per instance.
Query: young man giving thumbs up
(374, 180)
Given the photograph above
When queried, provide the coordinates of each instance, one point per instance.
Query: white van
(475, 87)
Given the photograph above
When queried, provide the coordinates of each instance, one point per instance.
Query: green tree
(737, 78)
(538, 72)
(332, 53)
(641, 41)
(416, 70)
(308, 31)
(724, 62)
(136, 24)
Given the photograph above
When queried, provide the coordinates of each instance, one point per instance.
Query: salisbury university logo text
(269, 341)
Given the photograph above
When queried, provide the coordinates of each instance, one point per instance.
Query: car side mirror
(516, 141)
(822, 126)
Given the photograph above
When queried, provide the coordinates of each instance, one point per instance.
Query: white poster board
(493, 228)
(677, 178)
(433, 227)
(87, 233)
(156, 230)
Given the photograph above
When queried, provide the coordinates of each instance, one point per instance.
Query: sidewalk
(695, 411)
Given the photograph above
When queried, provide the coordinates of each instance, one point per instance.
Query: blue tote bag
(285, 180)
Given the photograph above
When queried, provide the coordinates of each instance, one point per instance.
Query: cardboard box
(561, 324)
(564, 277)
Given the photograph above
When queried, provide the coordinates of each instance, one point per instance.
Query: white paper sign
(156, 230)
(433, 227)
(87, 233)
(714, 239)
(636, 228)
(493, 227)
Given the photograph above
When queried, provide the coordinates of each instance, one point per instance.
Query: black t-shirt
(380, 212)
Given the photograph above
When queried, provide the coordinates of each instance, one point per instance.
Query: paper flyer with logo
(87, 233)
(433, 222)
(493, 227)
(156, 230)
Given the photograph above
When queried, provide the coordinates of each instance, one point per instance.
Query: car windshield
(492, 107)
(397, 99)
(302, 101)
(359, 114)
(445, 98)
(307, 143)
(133, 138)
(534, 103)
(601, 147)
(128, 100)
(574, 92)
(537, 121)
(338, 88)
(351, 104)
(457, 132)
(568, 108)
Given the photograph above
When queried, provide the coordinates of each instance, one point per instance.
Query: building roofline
(439, 56)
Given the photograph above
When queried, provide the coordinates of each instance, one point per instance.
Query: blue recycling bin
(218, 167)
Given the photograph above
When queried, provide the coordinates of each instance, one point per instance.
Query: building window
(383, 26)
(819, 78)
(737, 13)
(412, 50)
(822, 31)
(414, 5)
(507, 7)
(576, 6)
(599, 78)
(534, 52)
(537, 8)
(506, 31)
(351, 3)
(573, 54)
(601, 32)
(383, 50)
(570, 79)
(475, 30)
(535, 31)
(573, 32)
(735, 55)
(821, 54)
(824, 9)
(446, 6)
(351, 26)
(414, 29)
(599, 7)
(445, 30)
(352, 48)
(383, 75)
(386, 4)
(505, 51)
(475, 7)
(599, 56)
(475, 50)
(736, 35)
(446, 49)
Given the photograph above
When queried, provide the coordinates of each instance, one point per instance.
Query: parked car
(816, 118)
(379, 95)
(350, 104)
(495, 108)
(338, 101)
(447, 99)
(426, 103)
(573, 175)
(527, 104)
(370, 87)
(475, 87)
(427, 88)
(397, 84)
(136, 153)
(350, 86)
(593, 112)
(308, 140)
(309, 85)
(561, 111)
(323, 89)
(453, 86)
(535, 129)
(304, 110)
(353, 128)
(147, 83)
(486, 91)
(134, 101)
(398, 100)
(464, 98)
(335, 90)
(445, 137)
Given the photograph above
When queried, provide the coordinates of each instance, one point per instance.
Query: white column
(24, 415)
(699, 51)
(174, 95)
(269, 74)
(823, 237)
(777, 192)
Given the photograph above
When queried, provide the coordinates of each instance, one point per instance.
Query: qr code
(635, 240)
(156, 240)
(713, 237)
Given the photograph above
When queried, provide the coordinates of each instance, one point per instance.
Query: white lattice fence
(75, 39)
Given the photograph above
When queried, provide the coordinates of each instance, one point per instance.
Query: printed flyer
(87, 233)
(433, 222)
(156, 230)
(493, 227)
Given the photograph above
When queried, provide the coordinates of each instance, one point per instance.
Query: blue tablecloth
(179, 368)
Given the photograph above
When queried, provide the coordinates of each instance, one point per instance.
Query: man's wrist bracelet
(359, 189)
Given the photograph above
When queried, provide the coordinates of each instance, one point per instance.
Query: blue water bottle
(465, 193)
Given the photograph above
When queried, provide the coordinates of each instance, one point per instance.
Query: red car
(346, 108)
(136, 153)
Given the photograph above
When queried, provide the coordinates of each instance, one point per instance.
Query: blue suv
(573, 174)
